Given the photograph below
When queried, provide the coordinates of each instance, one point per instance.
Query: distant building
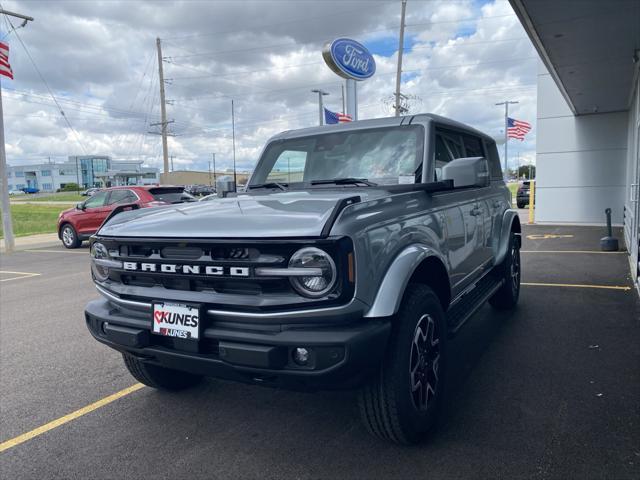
(87, 171)
(194, 177)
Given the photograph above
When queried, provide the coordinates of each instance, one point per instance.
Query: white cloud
(99, 58)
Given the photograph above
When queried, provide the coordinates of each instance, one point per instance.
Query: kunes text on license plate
(176, 320)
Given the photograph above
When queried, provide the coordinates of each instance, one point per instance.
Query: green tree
(70, 187)
(526, 170)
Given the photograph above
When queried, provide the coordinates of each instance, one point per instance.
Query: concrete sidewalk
(34, 241)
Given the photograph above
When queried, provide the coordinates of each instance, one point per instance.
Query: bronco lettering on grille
(213, 270)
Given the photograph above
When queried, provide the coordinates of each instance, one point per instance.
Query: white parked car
(16, 192)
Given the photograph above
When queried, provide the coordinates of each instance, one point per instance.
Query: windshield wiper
(281, 186)
(344, 181)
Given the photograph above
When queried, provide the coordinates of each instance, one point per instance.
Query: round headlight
(99, 269)
(322, 272)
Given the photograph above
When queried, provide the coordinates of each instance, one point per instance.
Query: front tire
(69, 237)
(158, 377)
(401, 403)
(521, 204)
(509, 271)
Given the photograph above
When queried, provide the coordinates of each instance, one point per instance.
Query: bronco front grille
(235, 284)
(236, 262)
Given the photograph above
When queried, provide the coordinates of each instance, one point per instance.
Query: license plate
(176, 320)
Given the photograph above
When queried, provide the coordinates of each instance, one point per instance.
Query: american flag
(335, 117)
(517, 128)
(5, 67)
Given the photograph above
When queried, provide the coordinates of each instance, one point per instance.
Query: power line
(227, 74)
(73, 130)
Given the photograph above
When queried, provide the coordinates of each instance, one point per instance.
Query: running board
(471, 301)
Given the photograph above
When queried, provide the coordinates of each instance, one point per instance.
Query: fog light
(301, 356)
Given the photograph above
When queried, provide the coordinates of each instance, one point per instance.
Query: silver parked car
(354, 253)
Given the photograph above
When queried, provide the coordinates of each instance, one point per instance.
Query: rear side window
(171, 195)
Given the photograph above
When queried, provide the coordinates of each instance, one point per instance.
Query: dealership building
(588, 121)
(87, 171)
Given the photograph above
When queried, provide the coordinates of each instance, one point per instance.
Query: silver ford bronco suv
(354, 253)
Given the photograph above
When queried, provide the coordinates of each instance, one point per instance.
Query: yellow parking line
(572, 285)
(69, 417)
(21, 275)
(569, 251)
(40, 250)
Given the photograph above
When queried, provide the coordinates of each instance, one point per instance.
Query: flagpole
(506, 103)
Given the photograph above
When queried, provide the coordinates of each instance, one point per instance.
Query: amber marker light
(350, 266)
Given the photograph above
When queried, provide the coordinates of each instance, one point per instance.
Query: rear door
(95, 211)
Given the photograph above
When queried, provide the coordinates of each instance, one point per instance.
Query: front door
(463, 217)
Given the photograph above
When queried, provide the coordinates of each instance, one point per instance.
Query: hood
(282, 214)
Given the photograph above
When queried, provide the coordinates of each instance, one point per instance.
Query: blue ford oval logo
(349, 59)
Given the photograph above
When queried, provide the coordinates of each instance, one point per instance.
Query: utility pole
(321, 93)
(343, 107)
(506, 104)
(233, 139)
(172, 163)
(400, 50)
(7, 222)
(213, 156)
(163, 109)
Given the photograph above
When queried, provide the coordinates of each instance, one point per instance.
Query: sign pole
(352, 99)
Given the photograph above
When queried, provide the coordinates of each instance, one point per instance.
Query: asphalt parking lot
(551, 390)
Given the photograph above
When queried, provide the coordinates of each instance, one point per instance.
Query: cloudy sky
(99, 60)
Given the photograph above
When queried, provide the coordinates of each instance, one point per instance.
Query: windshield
(389, 155)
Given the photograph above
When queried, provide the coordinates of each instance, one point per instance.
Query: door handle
(497, 204)
(476, 211)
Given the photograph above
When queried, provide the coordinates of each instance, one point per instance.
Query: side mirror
(80, 206)
(467, 172)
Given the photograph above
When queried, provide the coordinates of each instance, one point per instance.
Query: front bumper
(342, 355)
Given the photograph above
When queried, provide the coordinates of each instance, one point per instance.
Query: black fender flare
(510, 223)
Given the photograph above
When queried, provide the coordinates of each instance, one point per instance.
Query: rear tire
(69, 236)
(401, 403)
(158, 377)
(507, 296)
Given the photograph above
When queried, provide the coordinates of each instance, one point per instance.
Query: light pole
(400, 50)
(321, 93)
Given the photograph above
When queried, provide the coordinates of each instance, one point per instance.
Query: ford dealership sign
(349, 59)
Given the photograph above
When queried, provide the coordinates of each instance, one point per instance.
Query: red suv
(79, 223)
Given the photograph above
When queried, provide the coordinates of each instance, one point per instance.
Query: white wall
(581, 161)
